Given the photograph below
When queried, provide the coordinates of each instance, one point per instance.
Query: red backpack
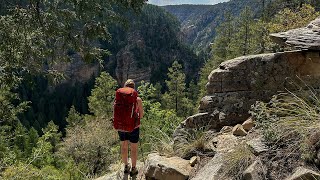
(125, 115)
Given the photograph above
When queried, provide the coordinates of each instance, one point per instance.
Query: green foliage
(242, 44)
(176, 98)
(290, 19)
(152, 32)
(221, 48)
(38, 160)
(193, 93)
(74, 118)
(157, 125)
(20, 139)
(43, 153)
(91, 146)
(29, 172)
(36, 35)
(90, 140)
(8, 110)
(205, 71)
(50, 30)
(157, 128)
(206, 18)
(102, 96)
(245, 35)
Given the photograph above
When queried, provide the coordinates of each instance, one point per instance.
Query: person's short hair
(129, 83)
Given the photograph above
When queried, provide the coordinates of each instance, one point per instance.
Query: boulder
(201, 120)
(224, 143)
(193, 161)
(238, 130)
(256, 171)
(304, 173)
(248, 124)
(163, 168)
(307, 38)
(257, 146)
(211, 170)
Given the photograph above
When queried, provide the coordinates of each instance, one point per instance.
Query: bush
(91, 146)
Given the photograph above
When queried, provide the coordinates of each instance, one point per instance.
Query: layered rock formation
(303, 38)
(239, 83)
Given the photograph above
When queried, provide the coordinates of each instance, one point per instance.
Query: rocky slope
(239, 83)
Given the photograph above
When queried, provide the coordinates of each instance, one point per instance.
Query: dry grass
(161, 143)
(237, 161)
(290, 122)
(194, 143)
(290, 117)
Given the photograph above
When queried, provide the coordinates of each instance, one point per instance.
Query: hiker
(128, 111)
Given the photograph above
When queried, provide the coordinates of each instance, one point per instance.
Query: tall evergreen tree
(74, 118)
(242, 42)
(221, 49)
(176, 98)
(102, 96)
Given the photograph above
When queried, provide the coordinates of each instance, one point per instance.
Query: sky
(174, 2)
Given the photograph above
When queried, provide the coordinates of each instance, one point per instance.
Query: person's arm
(140, 107)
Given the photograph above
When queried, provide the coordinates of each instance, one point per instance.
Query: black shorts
(133, 136)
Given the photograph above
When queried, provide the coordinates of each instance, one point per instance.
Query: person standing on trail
(128, 111)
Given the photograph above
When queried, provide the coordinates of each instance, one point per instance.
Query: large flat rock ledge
(307, 38)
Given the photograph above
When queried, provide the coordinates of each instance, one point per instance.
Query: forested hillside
(199, 22)
(143, 46)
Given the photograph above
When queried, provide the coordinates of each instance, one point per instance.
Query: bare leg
(124, 152)
(134, 153)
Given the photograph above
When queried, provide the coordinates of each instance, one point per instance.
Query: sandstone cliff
(239, 83)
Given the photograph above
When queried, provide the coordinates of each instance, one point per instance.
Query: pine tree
(102, 96)
(74, 118)
(242, 43)
(221, 49)
(20, 139)
(32, 140)
(176, 98)
(51, 132)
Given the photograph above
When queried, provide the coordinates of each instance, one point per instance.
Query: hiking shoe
(126, 169)
(134, 171)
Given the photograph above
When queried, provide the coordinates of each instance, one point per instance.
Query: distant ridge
(198, 22)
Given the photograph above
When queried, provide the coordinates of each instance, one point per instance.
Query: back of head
(129, 83)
